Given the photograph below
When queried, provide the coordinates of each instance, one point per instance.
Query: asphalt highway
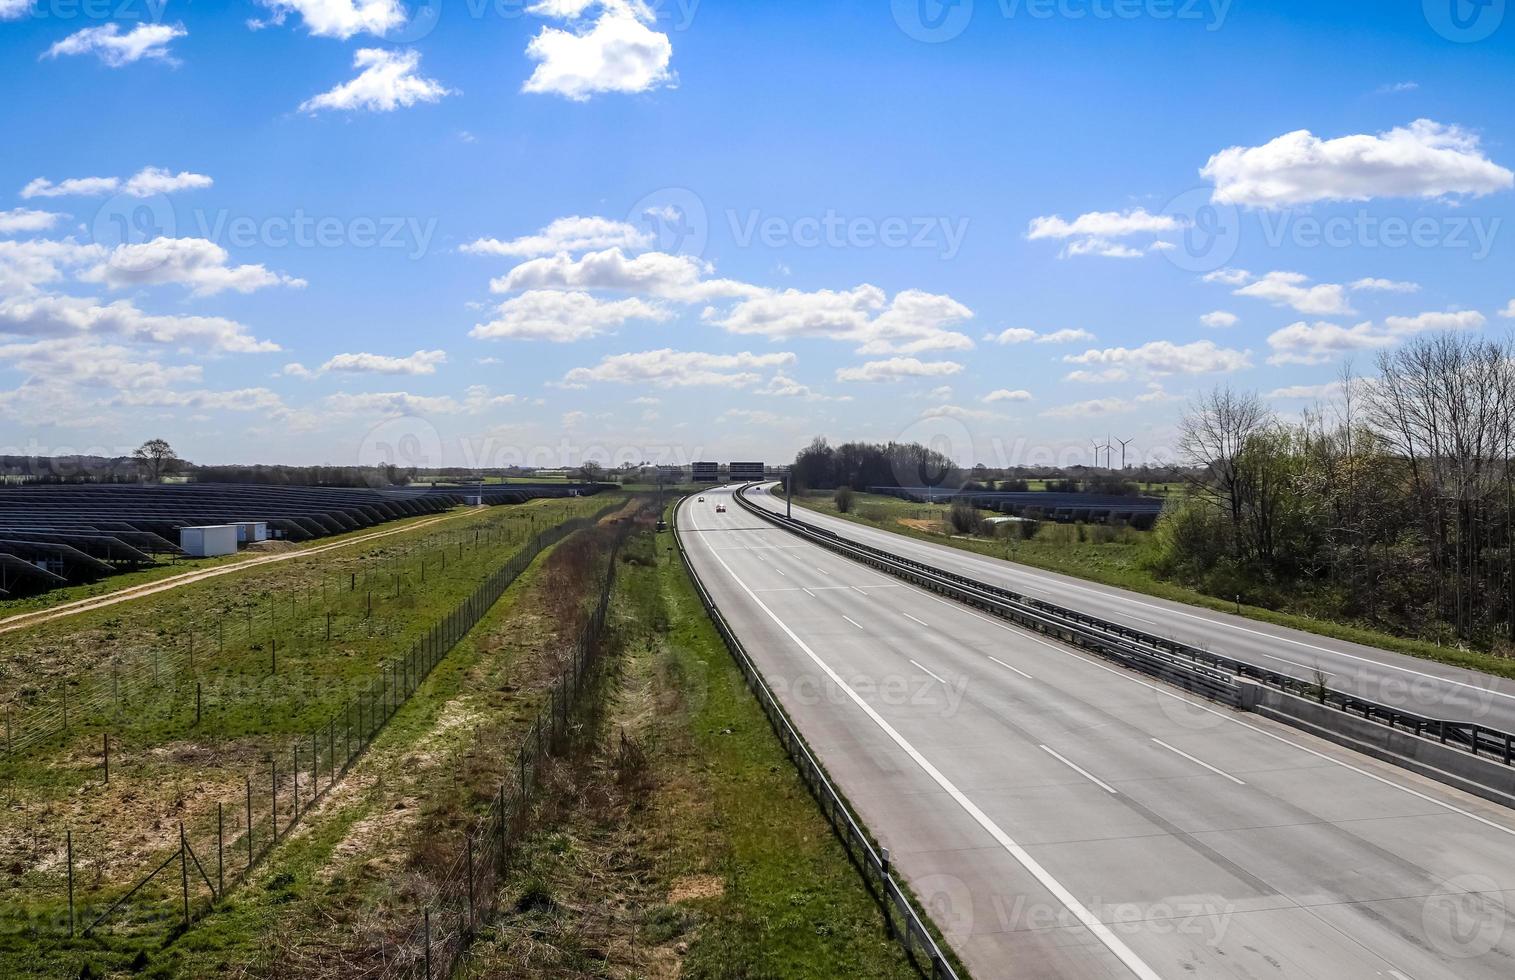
(1060, 817)
(1416, 685)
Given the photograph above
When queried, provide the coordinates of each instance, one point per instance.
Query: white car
(720, 508)
(702, 500)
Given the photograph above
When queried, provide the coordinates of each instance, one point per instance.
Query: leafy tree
(157, 457)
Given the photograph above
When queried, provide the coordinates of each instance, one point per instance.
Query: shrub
(964, 517)
(843, 499)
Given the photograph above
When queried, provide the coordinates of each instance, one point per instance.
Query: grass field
(172, 761)
(1121, 557)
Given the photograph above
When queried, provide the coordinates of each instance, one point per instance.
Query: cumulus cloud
(1509, 311)
(1307, 392)
(668, 368)
(1097, 232)
(1094, 408)
(1219, 319)
(912, 322)
(1461, 320)
(62, 316)
(573, 234)
(84, 361)
(117, 50)
(1228, 277)
(144, 183)
(783, 386)
(386, 81)
(1384, 286)
(1318, 342)
(677, 277)
(1006, 395)
(340, 19)
(617, 51)
(559, 316)
(898, 369)
(1162, 357)
(1021, 335)
(194, 262)
(421, 362)
(1423, 160)
(1290, 289)
(14, 9)
(23, 220)
(476, 399)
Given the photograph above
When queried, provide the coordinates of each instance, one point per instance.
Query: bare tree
(1213, 436)
(157, 457)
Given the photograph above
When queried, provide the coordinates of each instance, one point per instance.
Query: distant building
(747, 472)
(705, 472)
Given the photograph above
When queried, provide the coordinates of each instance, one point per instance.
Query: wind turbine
(1123, 444)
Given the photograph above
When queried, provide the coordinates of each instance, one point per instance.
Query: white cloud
(1006, 395)
(1021, 335)
(340, 19)
(1219, 319)
(1462, 320)
(1228, 277)
(756, 416)
(574, 234)
(1095, 408)
(1315, 343)
(667, 368)
(62, 316)
(477, 399)
(783, 386)
(1289, 289)
(1384, 286)
(387, 80)
(421, 362)
(1509, 311)
(117, 50)
(617, 52)
(194, 262)
(14, 9)
(1107, 376)
(27, 265)
(83, 361)
(912, 322)
(1394, 88)
(549, 314)
(22, 220)
(960, 412)
(259, 400)
(1422, 160)
(144, 183)
(1163, 357)
(1307, 392)
(1094, 232)
(678, 277)
(897, 369)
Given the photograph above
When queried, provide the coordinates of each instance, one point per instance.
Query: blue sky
(485, 233)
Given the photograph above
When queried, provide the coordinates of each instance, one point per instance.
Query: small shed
(208, 541)
(251, 531)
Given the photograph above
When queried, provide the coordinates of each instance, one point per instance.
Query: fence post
(273, 782)
(294, 774)
(426, 942)
(197, 704)
(249, 822)
(105, 737)
(184, 871)
(503, 835)
(69, 844)
(220, 851)
(470, 885)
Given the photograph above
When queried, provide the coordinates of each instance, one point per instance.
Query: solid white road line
(1198, 762)
(914, 620)
(1081, 771)
(1089, 920)
(1016, 669)
(853, 622)
(933, 675)
(858, 590)
(808, 592)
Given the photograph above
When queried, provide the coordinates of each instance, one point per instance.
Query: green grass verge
(1122, 562)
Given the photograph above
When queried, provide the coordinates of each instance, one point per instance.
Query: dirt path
(23, 620)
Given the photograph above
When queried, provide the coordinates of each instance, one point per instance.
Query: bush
(874, 512)
(843, 499)
(1028, 529)
(964, 517)
(1014, 486)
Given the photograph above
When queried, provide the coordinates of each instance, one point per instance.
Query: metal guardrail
(1199, 671)
(904, 922)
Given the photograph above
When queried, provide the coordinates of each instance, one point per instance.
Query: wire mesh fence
(468, 895)
(341, 610)
(216, 853)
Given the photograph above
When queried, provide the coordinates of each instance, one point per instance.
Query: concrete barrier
(1455, 767)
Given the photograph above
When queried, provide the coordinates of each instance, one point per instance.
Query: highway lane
(1063, 818)
(1416, 685)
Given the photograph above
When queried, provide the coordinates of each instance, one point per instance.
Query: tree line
(1393, 502)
